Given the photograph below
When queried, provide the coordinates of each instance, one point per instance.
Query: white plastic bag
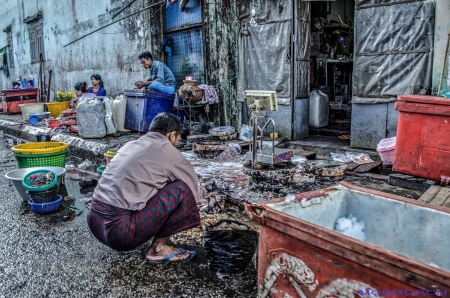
(298, 159)
(246, 133)
(91, 119)
(360, 158)
(340, 157)
(109, 121)
(119, 110)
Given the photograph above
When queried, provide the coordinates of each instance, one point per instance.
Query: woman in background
(97, 86)
(80, 89)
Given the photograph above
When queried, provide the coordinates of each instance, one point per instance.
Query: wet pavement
(55, 255)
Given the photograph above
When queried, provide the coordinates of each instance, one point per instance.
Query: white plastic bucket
(16, 177)
(386, 149)
(30, 109)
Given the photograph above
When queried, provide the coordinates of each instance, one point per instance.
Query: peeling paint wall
(221, 29)
(111, 52)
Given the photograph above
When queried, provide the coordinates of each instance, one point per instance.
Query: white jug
(119, 109)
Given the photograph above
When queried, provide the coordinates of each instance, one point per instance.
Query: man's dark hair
(165, 123)
(146, 55)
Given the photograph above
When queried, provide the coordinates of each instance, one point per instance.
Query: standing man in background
(160, 78)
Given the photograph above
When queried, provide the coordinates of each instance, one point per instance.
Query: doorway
(331, 66)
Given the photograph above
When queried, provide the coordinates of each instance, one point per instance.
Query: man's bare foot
(160, 250)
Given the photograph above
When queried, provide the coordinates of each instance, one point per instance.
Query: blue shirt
(100, 92)
(159, 72)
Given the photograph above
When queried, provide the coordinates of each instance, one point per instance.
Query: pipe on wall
(293, 59)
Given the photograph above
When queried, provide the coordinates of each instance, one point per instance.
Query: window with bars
(36, 42)
(10, 50)
(184, 27)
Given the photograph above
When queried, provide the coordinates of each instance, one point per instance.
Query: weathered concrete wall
(283, 122)
(221, 29)
(301, 118)
(372, 123)
(111, 52)
(441, 30)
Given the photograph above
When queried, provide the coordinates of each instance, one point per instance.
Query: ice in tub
(407, 229)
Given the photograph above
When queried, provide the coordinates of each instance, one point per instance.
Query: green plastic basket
(57, 159)
(27, 185)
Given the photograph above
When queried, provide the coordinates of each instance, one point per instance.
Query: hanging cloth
(4, 61)
(209, 95)
(167, 45)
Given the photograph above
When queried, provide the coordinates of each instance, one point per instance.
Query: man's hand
(140, 84)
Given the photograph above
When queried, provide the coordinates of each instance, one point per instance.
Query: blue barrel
(143, 106)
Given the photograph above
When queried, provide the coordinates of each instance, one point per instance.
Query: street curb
(82, 148)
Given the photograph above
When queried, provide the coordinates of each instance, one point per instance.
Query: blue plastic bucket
(45, 207)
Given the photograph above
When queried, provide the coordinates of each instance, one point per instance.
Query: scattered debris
(325, 168)
(407, 181)
(369, 175)
(209, 149)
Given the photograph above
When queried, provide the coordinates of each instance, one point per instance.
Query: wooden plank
(351, 166)
(364, 168)
(430, 194)
(441, 196)
(447, 203)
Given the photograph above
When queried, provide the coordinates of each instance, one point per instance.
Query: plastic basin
(54, 124)
(38, 117)
(30, 108)
(45, 196)
(46, 207)
(26, 181)
(101, 169)
(109, 155)
(56, 108)
(15, 178)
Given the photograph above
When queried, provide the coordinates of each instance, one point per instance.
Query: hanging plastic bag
(109, 119)
(229, 246)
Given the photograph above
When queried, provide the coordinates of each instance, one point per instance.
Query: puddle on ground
(79, 185)
(208, 168)
(242, 284)
(198, 267)
(73, 206)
